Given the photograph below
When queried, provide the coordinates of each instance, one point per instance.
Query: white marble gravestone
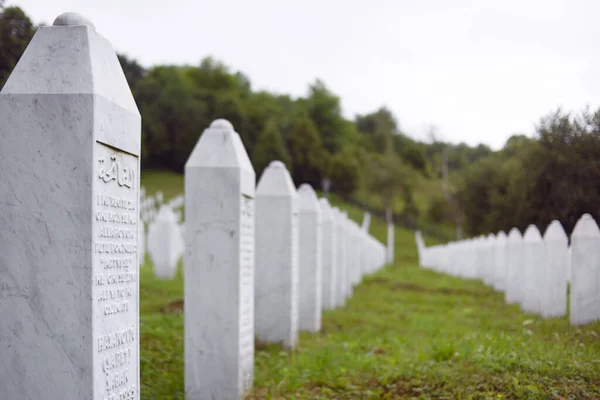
(276, 293)
(341, 256)
(329, 255)
(500, 255)
(554, 280)
(219, 266)
(69, 159)
(533, 271)
(349, 254)
(490, 259)
(514, 270)
(585, 273)
(310, 284)
(164, 243)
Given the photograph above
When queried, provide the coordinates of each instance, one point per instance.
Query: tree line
(368, 159)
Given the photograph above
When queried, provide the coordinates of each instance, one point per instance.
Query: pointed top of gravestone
(166, 214)
(326, 210)
(220, 146)
(221, 124)
(501, 235)
(72, 19)
(307, 199)
(490, 236)
(277, 164)
(586, 227)
(71, 58)
(555, 231)
(514, 234)
(276, 181)
(532, 234)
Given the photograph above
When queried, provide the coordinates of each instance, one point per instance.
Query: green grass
(406, 333)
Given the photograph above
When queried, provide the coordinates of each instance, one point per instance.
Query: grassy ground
(406, 333)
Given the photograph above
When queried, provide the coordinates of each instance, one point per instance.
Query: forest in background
(445, 189)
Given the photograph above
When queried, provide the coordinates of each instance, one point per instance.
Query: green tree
(308, 153)
(269, 147)
(324, 109)
(344, 172)
(16, 31)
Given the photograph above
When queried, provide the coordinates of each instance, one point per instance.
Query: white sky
(479, 71)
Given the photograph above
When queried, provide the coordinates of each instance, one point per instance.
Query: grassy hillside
(406, 333)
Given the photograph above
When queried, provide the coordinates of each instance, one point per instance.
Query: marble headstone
(69, 209)
(309, 260)
(219, 266)
(501, 253)
(554, 280)
(341, 256)
(329, 255)
(585, 273)
(276, 297)
(164, 248)
(533, 271)
(514, 270)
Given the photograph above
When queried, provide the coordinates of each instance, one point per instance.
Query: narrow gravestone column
(533, 271)
(585, 263)
(500, 261)
(219, 266)
(163, 243)
(69, 160)
(309, 281)
(514, 265)
(490, 259)
(341, 256)
(276, 317)
(329, 255)
(554, 280)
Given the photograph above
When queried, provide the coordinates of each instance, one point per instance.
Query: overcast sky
(479, 71)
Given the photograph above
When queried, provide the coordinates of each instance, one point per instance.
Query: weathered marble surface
(219, 267)
(585, 273)
(309, 260)
(329, 255)
(69, 161)
(277, 247)
(554, 279)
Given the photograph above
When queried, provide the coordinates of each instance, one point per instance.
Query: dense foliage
(556, 175)
(369, 160)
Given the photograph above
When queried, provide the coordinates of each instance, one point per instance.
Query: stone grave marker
(500, 261)
(554, 279)
(515, 266)
(533, 271)
(219, 266)
(310, 263)
(341, 257)
(585, 273)
(276, 297)
(329, 255)
(69, 208)
(164, 237)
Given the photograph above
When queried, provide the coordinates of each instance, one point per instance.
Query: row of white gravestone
(532, 271)
(70, 220)
(260, 261)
